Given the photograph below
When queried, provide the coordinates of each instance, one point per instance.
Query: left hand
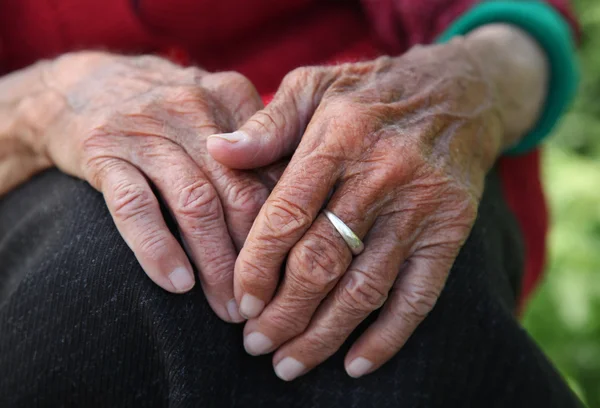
(404, 144)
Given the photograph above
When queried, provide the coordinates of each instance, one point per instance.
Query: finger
(235, 99)
(294, 203)
(137, 216)
(413, 296)
(238, 96)
(242, 196)
(314, 266)
(281, 222)
(197, 210)
(274, 132)
(362, 290)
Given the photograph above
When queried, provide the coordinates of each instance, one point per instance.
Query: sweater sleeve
(31, 30)
(400, 24)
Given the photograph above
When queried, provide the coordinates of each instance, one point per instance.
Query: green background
(564, 314)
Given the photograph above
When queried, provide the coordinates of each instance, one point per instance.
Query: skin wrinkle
(153, 117)
(408, 147)
(97, 168)
(295, 83)
(288, 322)
(244, 197)
(321, 271)
(303, 290)
(362, 294)
(255, 272)
(130, 200)
(198, 195)
(433, 111)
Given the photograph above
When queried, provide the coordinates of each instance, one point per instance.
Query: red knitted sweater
(263, 39)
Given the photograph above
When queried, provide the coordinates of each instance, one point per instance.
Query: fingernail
(234, 137)
(257, 343)
(289, 368)
(251, 306)
(181, 279)
(358, 367)
(234, 314)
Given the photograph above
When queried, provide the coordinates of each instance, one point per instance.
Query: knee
(64, 236)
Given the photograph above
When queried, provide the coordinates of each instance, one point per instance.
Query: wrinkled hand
(404, 145)
(128, 123)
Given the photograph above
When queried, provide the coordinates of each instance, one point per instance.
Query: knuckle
(391, 174)
(290, 323)
(417, 300)
(153, 244)
(411, 154)
(384, 176)
(246, 198)
(389, 338)
(198, 201)
(362, 294)
(239, 82)
(186, 101)
(285, 218)
(220, 273)
(455, 223)
(309, 81)
(324, 341)
(234, 92)
(98, 138)
(298, 77)
(130, 201)
(96, 161)
(251, 273)
(317, 264)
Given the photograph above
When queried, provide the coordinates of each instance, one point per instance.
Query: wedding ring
(353, 241)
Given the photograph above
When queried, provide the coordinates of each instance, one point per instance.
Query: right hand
(128, 123)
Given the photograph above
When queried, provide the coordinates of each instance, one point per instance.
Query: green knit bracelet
(553, 34)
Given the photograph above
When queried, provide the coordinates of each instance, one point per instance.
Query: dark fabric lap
(81, 325)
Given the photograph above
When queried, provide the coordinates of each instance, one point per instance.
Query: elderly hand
(403, 146)
(128, 124)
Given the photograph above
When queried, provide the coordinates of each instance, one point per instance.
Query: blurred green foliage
(564, 315)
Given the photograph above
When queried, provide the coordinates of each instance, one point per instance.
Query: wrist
(517, 70)
(35, 97)
(26, 109)
(25, 105)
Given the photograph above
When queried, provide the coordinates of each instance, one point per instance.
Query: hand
(128, 123)
(403, 144)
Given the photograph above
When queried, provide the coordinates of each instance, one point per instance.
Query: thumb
(275, 131)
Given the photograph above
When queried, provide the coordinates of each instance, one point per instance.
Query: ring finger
(314, 266)
(362, 290)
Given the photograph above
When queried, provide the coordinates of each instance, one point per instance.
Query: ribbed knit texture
(82, 326)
